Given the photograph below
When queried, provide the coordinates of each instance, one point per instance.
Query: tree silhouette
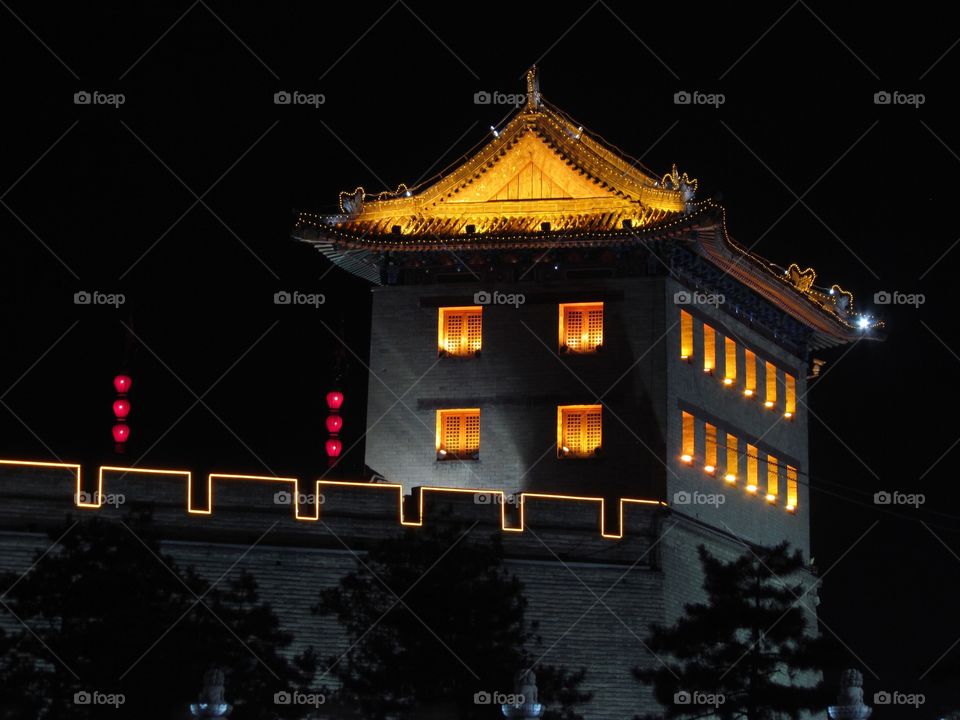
(433, 618)
(744, 651)
(105, 611)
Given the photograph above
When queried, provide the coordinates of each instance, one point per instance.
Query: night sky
(182, 199)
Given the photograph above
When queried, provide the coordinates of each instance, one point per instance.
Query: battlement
(309, 501)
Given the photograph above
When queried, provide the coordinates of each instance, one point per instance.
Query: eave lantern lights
(121, 409)
(334, 422)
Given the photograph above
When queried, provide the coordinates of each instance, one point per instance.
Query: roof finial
(533, 89)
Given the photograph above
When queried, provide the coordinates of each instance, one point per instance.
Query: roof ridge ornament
(533, 89)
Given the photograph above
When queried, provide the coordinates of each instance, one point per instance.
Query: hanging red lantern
(334, 399)
(122, 384)
(334, 447)
(334, 423)
(121, 408)
(121, 432)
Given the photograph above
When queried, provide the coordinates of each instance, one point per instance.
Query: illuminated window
(710, 449)
(730, 361)
(773, 478)
(751, 468)
(770, 381)
(687, 442)
(791, 488)
(709, 349)
(733, 460)
(581, 327)
(686, 335)
(458, 434)
(460, 331)
(790, 395)
(579, 430)
(750, 373)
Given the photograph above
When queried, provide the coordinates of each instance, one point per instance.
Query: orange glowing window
(752, 462)
(733, 460)
(791, 488)
(773, 478)
(686, 335)
(710, 449)
(729, 361)
(579, 431)
(770, 383)
(460, 331)
(790, 395)
(709, 349)
(458, 434)
(581, 327)
(750, 373)
(687, 442)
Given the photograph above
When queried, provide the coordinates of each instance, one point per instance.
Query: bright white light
(863, 322)
(494, 131)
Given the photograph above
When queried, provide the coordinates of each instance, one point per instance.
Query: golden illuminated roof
(541, 172)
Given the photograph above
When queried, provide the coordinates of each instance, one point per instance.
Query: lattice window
(730, 361)
(686, 335)
(460, 331)
(790, 396)
(752, 463)
(750, 373)
(710, 449)
(687, 442)
(733, 459)
(458, 434)
(791, 488)
(581, 327)
(770, 396)
(579, 430)
(709, 349)
(773, 478)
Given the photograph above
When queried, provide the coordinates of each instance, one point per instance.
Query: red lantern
(334, 423)
(334, 399)
(334, 447)
(121, 408)
(122, 384)
(121, 432)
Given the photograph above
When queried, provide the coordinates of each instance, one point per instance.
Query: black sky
(106, 199)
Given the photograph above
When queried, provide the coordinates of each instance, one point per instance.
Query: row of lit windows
(579, 432)
(773, 380)
(460, 329)
(738, 460)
